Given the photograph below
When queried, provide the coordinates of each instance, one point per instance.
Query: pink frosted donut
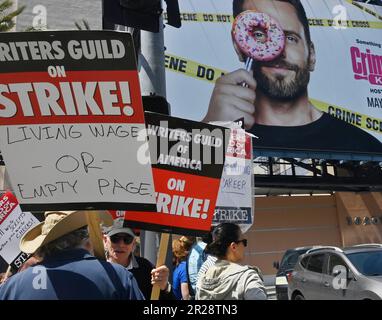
(244, 36)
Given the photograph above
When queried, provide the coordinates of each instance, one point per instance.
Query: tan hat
(57, 224)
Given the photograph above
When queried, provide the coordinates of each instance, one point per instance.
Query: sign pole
(7, 273)
(160, 261)
(95, 234)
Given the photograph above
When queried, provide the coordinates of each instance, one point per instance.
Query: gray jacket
(230, 281)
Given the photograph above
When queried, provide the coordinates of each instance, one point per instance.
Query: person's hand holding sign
(159, 276)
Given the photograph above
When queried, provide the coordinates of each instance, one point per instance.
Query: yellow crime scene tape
(360, 6)
(211, 74)
(204, 17)
(355, 118)
(192, 68)
(226, 18)
(345, 23)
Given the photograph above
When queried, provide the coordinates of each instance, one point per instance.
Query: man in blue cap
(120, 242)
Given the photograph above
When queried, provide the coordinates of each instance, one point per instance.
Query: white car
(332, 273)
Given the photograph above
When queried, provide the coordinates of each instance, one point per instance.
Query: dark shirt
(72, 275)
(142, 273)
(325, 134)
(374, 2)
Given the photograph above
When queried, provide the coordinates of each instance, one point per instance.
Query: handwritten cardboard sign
(187, 160)
(235, 199)
(13, 224)
(70, 117)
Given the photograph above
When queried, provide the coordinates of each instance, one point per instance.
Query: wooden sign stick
(7, 273)
(160, 261)
(95, 234)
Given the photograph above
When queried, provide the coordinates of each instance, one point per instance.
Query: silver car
(331, 273)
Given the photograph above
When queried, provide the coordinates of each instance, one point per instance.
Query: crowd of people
(62, 265)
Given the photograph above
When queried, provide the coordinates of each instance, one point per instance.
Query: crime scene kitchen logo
(366, 65)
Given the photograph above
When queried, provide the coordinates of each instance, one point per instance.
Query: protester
(209, 260)
(228, 279)
(67, 270)
(120, 245)
(195, 260)
(180, 249)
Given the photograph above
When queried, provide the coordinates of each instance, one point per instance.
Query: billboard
(323, 93)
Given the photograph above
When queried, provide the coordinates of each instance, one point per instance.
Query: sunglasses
(244, 241)
(127, 239)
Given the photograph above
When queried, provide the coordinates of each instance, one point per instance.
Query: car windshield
(369, 263)
(290, 258)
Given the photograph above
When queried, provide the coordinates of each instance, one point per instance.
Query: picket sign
(235, 203)
(78, 129)
(14, 223)
(160, 262)
(186, 156)
(95, 234)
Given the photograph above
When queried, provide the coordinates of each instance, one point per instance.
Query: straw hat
(57, 224)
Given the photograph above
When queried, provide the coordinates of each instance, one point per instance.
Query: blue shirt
(72, 275)
(194, 262)
(179, 276)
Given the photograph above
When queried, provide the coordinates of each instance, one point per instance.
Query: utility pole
(152, 75)
(151, 62)
(152, 78)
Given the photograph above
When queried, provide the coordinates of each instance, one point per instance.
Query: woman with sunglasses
(228, 279)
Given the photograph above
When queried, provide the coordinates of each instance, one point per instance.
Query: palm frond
(6, 26)
(79, 27)
(7, 18)
(5, 5)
